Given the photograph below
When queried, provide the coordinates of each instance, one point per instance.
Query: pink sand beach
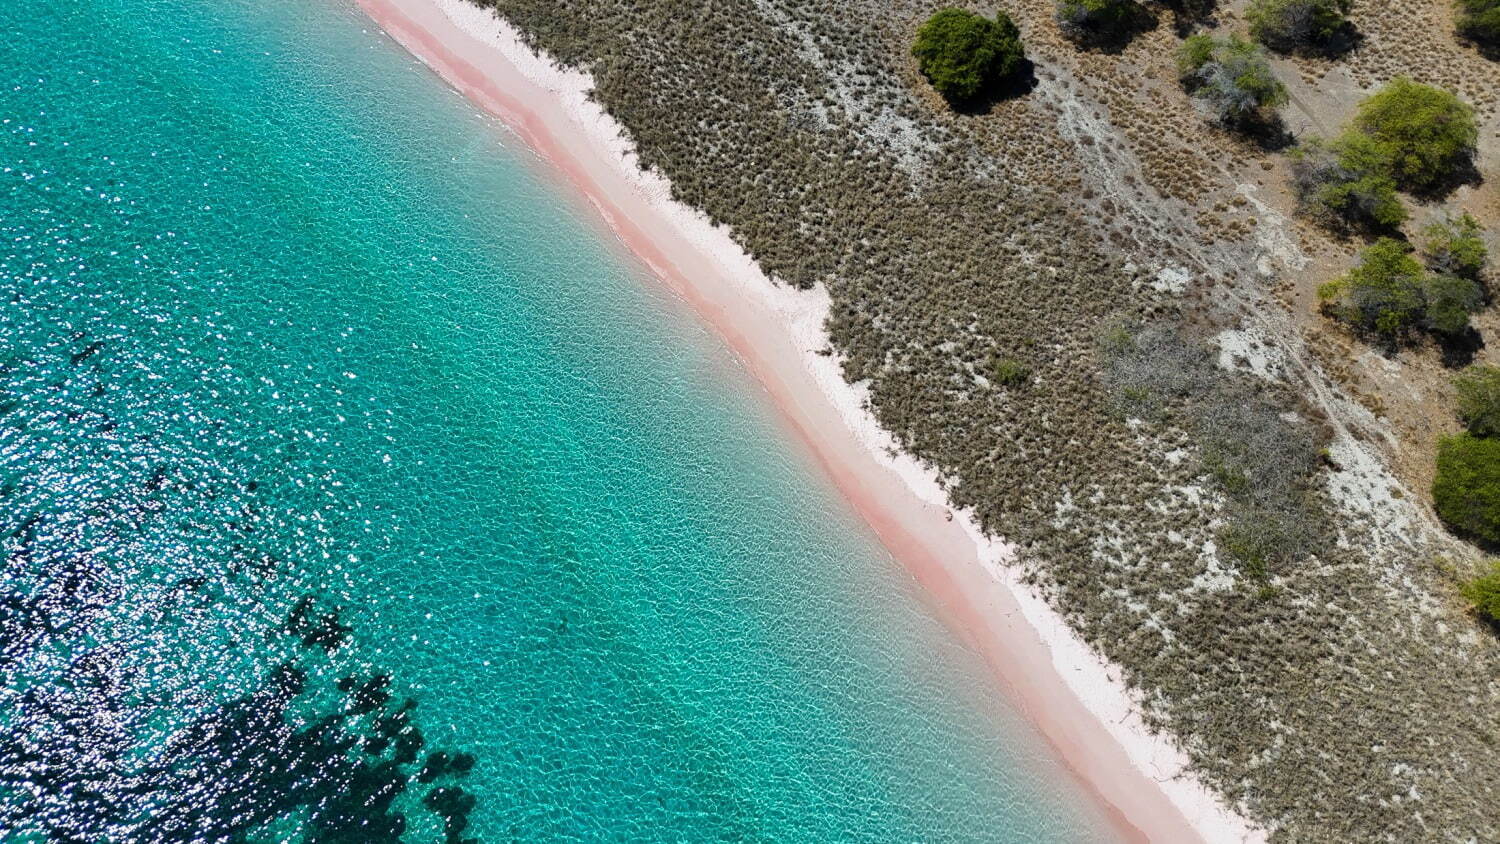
(1074, 699)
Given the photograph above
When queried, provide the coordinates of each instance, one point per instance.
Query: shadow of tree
(1481, 31)
(1464, 172)
(1019, 83)
(1459, 350)
(1267, 132)
(1189, 16)
(1345, 40)
(1109, 36)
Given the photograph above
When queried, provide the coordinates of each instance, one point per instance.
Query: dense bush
(1427, 133)
(963, 53)
(1383, 293)
(1346, 183)
(1478, 389)
(1405, 135)
(1479, 20)
(1099, 21)
(1150, 366)
(1455, 255)
(1447, 303)
(1232, 76)
(1297, 24)
(1484, 593)
(1466, 491)
(1389, 293)
(1455, 247)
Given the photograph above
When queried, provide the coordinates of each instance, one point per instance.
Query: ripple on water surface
(354, 488)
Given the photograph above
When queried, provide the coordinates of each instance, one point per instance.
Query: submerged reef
(169, 672)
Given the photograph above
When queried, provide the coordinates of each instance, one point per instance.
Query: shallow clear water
(353, 485)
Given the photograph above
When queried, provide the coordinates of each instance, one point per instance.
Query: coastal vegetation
(1406, 136)
(1478, 389)
(1466, 489)
(1292, 25)
(1233, 77)
(1390, 294)
(1426, 134)
(1456, 247)
(964, 54)
(1483, 593)
(1346, 183)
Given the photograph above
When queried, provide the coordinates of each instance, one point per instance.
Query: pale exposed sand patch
(1250, 349)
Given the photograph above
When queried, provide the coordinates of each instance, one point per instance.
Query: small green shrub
(1245, 548)
(1232, 76)
(1466, 491)
(1427, 133)
(1483, 592)
(1288, 25)
(1098, 21)
(963, 53)
(1389, 293)
(1455, 247)
(1227, 473)
(1347, 183)
(1195, 52)
(1009, 372)
(1447, 303)
(1383, 293)
(1478, 389)
(1479, 21)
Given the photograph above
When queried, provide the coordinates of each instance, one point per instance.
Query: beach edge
(1075, 699)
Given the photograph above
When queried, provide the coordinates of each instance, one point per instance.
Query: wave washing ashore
(1075, 698)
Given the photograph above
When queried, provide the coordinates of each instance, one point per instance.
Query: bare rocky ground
(1223, 492)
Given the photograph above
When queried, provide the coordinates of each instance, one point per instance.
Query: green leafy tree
(1478, 388)
(1195, 52)
(1383, 293)
(963, 53)
(1288, 25)
(1479, 21)
(1466, 491)
(1455, 247)
(1099, 21)
(1427, 133)
(1447, 303)
(1389, 293)
(1347, 183)
(1233, 76)
(1483, 592)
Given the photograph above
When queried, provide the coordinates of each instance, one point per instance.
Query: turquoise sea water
(354, 486)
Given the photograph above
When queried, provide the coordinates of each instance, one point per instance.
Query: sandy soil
(1075, 700)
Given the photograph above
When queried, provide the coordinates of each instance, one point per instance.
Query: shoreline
(1057, 682)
